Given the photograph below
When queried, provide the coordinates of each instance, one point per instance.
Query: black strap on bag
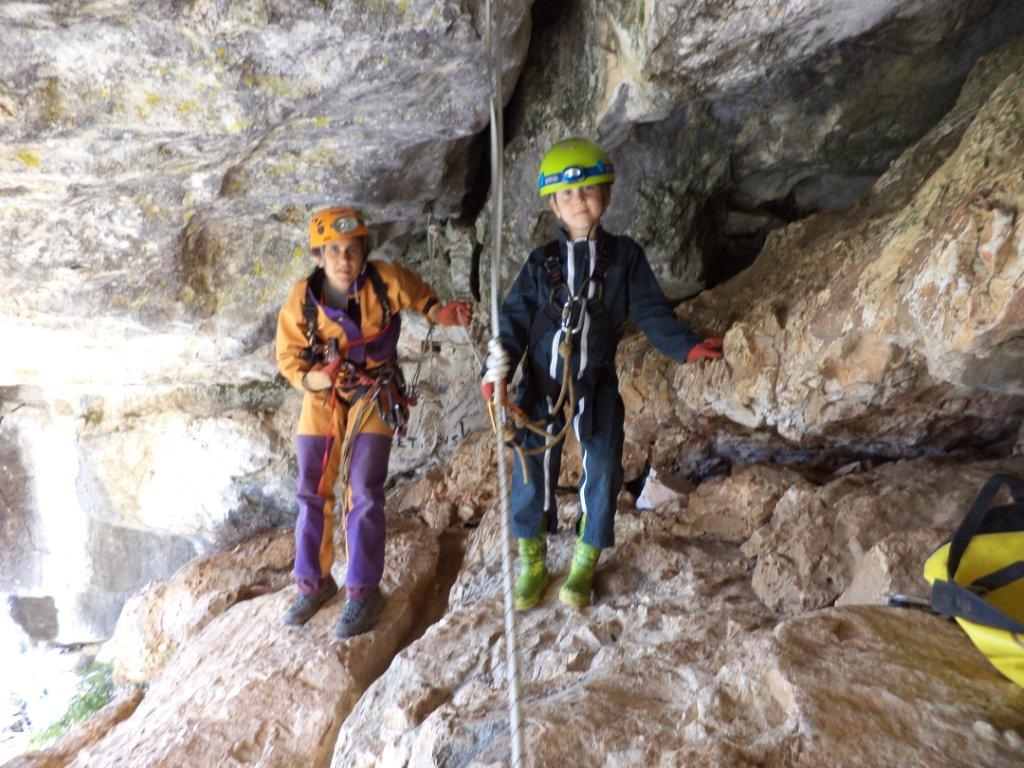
(982, 517)
(999, 579)
(950, 599)
(967, 602)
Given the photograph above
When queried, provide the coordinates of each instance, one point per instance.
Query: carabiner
(580, 321)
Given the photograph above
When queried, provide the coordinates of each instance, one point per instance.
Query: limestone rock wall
(684, 657)
(888, 330)
(160, 162)
(230, 682)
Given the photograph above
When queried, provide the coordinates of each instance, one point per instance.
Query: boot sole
(525, 604)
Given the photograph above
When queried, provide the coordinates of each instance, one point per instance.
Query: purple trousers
(365, 527)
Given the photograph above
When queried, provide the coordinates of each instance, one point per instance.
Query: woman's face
(342, 261)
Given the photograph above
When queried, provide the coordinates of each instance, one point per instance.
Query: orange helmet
(335, 223)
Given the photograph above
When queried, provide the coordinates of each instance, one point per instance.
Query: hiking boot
(533, 572)
(306, 605)
(578, 587)
(360, 614)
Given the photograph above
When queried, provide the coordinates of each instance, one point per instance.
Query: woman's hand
(455, 313)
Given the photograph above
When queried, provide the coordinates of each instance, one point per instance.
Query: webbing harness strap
(553, 314)
(553, 261)
(951, 599)
(381, 290)
(309, 316)
(1003, 577)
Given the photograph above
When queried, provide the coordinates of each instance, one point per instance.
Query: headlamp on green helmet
(574, 163)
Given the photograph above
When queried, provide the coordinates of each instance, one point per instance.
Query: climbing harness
(571, 312)
(977, 576)
(568, 315)
(381, 390)
(492, 45)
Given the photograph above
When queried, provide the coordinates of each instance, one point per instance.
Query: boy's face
(580, 208)
(342, 261)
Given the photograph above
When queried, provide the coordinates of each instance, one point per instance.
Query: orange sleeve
(407, 290)
(291, 336)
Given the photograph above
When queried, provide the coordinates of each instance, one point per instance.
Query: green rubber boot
(577, 588)
(533, 572)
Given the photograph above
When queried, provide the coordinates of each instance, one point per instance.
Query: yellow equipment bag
(977, 576)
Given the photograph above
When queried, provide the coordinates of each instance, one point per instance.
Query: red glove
(709, 349)
(454, 313)
(487, 390)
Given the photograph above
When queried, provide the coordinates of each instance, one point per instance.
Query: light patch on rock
(662, 491)
(894, 566)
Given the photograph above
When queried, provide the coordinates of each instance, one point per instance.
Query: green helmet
(574, 163)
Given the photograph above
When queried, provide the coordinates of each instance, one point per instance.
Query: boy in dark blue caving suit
(582, 285)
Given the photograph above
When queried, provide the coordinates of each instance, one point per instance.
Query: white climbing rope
(492, 38)
(498, 363)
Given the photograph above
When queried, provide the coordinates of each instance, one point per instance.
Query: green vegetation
(95, 690)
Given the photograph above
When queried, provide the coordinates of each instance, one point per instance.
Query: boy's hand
(487, 390)
(455, 313)
(709, 349)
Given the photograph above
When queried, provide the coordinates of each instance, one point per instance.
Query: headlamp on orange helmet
(334, 224)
